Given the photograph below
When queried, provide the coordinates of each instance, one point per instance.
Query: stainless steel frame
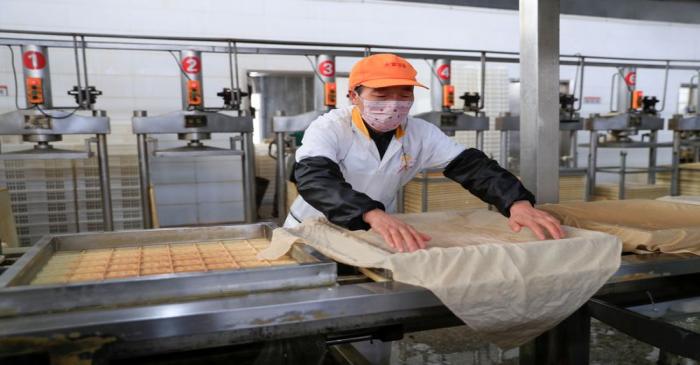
(34, 124)
(176, 123)
(21, 299)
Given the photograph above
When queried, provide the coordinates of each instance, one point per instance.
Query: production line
(120, 295)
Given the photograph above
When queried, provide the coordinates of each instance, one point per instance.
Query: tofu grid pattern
(66, 267)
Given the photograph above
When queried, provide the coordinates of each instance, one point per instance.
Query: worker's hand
(397, 234)
(523, 214)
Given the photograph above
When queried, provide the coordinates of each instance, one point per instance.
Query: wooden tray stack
(690, 178)
(632, 191)
(443, 195)
(572, 188)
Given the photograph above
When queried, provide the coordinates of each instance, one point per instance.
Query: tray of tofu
(68, 272)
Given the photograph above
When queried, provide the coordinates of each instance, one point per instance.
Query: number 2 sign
(192, 65)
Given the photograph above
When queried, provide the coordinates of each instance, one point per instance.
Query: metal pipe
(281, 178)
(573, 138)
(612, 91)
(86, 100)
(336, 52)
(480, 140)
(483, 80)
(690, 94)
(324, 44)
(503, 150)
(230, 65)
(103, 166)
(623, 171)
(34, 53)
(580, 86)
(651, 177)
(77, 72)
(249, 178)
(663, 101)
(675, 164)
(144, 174)
(592, 165)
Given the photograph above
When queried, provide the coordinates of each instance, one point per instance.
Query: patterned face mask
(385, 115)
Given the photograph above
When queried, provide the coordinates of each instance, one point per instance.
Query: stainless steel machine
(195, 124)
(325, 95)
(570, 122)
(686, 136)
(168, 313)
(442, 93)
(470, 118)
(41, 123)
(633, 113)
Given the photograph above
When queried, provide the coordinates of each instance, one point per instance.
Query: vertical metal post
(503, 150)
(675, 164)
(592, 165)
(651, 177)
(86, 100)
(250, 204)
(325, 73)
(103, 166)
(144, 174)
(573, 138)
(623, 175)
(539, 95)
(281, 178)
(38, 57)
(480, 140)
(191, 69)
(567, 343)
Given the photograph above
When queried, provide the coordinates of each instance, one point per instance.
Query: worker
(353, 161)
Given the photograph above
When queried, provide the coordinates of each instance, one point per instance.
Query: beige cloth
(506, 287)
(643, 225)
(685, 199)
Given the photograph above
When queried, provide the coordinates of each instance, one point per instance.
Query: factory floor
(452, 346)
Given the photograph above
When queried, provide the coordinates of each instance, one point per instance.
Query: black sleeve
(320, 182)
(488, 181)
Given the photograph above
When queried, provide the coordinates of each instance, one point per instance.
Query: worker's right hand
(397, 234)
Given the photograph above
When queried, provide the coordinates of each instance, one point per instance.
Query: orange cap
(382, 70)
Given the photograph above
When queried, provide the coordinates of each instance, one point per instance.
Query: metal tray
(19, 298)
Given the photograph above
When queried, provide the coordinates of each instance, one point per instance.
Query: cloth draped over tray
(507, 287)
(643, 225)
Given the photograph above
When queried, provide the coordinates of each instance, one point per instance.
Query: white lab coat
(416, 146)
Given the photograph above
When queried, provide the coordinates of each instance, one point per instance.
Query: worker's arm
(493, 184)
(321, 183)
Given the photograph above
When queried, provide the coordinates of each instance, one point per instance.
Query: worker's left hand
(523, 214)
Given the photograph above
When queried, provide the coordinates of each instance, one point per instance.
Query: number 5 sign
(326, 68)
(191, 65)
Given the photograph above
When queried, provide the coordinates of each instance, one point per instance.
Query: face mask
(385, 115)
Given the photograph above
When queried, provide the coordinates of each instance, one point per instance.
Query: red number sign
(631, 78)
(34, 60)
(326, 68)
(443, 71)
(191, 65)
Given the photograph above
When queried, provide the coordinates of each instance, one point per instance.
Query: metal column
(539, 93)
(651, 177)
(675, 163)
(103, 166)
(281, 178)
(251, 212)
(144, 174)
(592, 165)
